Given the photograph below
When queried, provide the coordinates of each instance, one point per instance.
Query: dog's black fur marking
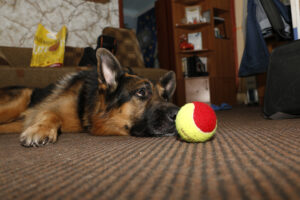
(106, 100)
(39, 94)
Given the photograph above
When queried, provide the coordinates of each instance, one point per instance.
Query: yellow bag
(48, 48)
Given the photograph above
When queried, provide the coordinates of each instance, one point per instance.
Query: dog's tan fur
(13, 103)
(40, 123)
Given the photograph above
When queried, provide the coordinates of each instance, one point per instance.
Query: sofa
(15, 67)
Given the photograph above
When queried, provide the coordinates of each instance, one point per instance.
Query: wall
(84, 20)
(240, 17)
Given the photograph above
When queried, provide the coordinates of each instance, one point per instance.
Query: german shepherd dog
(106, 100)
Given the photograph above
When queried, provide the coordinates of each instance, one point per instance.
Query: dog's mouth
(157, 121)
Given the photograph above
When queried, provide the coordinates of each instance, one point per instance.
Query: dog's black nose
(172, 113)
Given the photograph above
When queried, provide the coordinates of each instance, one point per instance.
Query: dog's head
(132, 105)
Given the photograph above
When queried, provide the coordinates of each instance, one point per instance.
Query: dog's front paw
(38, 135)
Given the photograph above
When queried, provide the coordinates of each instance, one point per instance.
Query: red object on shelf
(186, 46)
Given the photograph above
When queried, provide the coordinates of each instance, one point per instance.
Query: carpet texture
(249, 158)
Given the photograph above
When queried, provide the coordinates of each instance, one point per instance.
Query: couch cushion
(72, 56)
(20, 56)
(128, 49)
(33, 76)
(150, 73)
(16, 56)
(3, 60)
(42, 76)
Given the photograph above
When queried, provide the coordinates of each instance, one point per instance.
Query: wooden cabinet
(217, 48)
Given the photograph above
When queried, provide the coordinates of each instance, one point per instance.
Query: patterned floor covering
(249, 158)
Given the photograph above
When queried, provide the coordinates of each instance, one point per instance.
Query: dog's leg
(42, 130)
(12, 103)
(12, 127)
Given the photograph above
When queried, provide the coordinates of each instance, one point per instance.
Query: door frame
(121, 15)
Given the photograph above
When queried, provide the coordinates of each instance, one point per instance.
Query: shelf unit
(191, 26)
(194, 51)
(219, 50)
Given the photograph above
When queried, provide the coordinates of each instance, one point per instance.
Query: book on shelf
(184, 66)
(220, 19)
(203, 67)
(194, 66)
(196, 40)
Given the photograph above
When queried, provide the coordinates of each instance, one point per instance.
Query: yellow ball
(196, 122)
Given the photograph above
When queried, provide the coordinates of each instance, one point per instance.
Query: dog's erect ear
(168, 82)
(108, 69)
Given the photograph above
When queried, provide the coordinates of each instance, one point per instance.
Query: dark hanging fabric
(255, 58)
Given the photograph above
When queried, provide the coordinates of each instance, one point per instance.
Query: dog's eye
(141, 92)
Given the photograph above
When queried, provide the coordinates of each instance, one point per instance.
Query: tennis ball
(196, 122)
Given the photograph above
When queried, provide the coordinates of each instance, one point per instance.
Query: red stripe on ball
(204, 117)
